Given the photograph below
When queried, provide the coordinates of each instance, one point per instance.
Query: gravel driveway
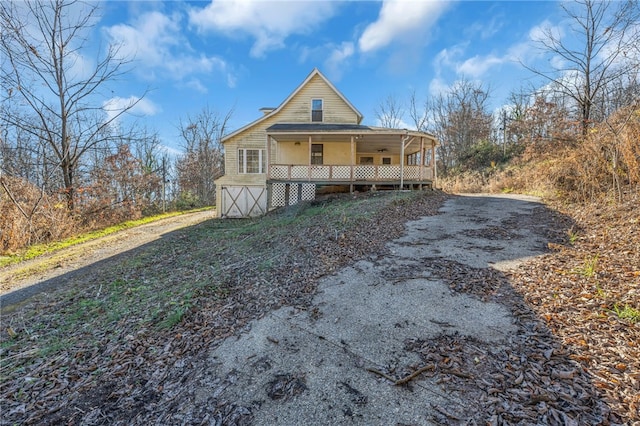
(428, 331)
(422, 336)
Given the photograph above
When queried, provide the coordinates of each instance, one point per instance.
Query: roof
(313, 73)
(368, 138)
(339, 128)
(316, 127)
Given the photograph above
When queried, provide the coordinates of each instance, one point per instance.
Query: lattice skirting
(285, 194)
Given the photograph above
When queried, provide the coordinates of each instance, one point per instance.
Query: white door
(244, 201)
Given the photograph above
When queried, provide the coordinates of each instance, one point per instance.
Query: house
(312, 141)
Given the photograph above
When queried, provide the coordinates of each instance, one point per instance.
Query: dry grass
(36, 218)
(604, 164)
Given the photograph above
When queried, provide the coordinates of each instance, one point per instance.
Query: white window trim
(322, 110)
(243, 170)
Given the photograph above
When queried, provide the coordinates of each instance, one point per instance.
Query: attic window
(316, 110)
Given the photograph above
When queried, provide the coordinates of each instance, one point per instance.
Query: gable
(296, 108)
(335, 107)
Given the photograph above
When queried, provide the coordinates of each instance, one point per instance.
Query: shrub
(28, 216)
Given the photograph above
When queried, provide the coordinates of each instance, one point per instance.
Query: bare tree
(203, 161)
(459, 118)
(437, 109)
(418, 113)
(390, 112)
(50, 92)
(608, 35)
(154, 160)
(513, 117)
(469, 120)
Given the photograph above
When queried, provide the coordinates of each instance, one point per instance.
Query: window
(386, 160)
(316, 110)
(316, 153)
(250, 161)
(413, 159)
(427, 158)
(366, 160)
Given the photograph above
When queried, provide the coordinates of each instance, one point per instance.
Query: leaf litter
(575, 359)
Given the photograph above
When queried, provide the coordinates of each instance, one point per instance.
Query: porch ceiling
(368, 139)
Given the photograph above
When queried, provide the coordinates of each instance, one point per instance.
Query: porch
(349, 154)
(360, 174)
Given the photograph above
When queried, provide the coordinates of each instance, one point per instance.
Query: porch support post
(402, 140)
(422, 158)
(268, 157)
(269, 195)
(309, 168)
(352, 162)
(434, 165)
(268, 160)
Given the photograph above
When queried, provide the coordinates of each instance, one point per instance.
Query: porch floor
(333, 182)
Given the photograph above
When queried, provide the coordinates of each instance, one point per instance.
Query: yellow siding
(297, 110)
(335, 109)
(252, 138)
(242, 179)
(290, 153)
(336, 153)
(377, 158)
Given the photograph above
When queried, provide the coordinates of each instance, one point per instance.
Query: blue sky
(250, 54)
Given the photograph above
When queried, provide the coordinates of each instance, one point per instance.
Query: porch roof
(381, 139)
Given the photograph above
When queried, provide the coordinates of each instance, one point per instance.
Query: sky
(242, 55)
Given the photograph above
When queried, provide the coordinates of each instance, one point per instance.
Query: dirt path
(20, 281)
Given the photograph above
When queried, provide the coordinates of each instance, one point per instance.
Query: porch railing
(359, 172)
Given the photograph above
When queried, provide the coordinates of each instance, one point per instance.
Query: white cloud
(337, 60)
(478, 65)
(81, 67)
(135, 105)
(403, 20)
(196, 85)
(485, 29)
(155, 41)
(148, 39)
(171, 152)
(268, 22)
(520, 52)
(541, 33)
(438, 86)
(557, 62)
(448, 57)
